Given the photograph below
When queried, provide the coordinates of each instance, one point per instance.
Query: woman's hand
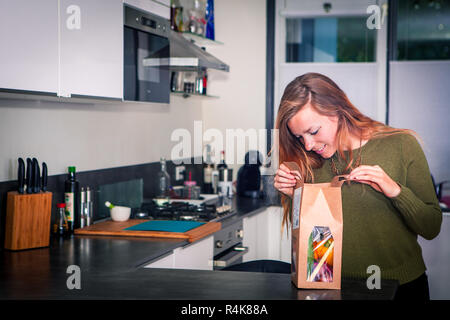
(285, 180)
(377, 179)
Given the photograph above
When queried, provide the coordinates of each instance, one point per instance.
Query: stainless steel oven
(228, 246)
(146, 36)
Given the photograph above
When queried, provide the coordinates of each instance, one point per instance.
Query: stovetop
(185, 211)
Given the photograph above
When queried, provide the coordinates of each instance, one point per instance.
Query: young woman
(391, 197)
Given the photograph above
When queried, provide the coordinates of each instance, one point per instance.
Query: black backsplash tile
(95, 178)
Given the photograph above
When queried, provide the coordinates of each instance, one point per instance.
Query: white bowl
(119, 213)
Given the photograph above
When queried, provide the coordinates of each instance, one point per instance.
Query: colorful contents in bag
(320, 255)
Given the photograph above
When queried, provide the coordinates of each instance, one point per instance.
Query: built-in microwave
(146, 36)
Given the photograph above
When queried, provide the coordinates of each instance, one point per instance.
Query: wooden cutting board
(113, 228)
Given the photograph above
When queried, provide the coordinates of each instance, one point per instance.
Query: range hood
(185, 56)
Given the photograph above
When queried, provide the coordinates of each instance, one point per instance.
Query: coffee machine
(249, 176)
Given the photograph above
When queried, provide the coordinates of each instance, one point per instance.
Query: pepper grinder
(82, 208)
(89, 207)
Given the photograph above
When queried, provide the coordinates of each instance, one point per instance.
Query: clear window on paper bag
(320, 255)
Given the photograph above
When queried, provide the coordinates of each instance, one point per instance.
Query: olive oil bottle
(71, 199)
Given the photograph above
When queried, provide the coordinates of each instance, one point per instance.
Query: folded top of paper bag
(337, 181)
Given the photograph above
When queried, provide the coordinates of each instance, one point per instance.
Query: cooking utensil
(21, 175)
(29, 177)
(44, 176)
(89, 206)
(36, 176)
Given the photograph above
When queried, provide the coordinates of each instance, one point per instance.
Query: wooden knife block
(28, 220)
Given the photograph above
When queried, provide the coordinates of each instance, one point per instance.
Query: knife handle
(44, 176)
(21, 175)
(36, 177)
(29, 176)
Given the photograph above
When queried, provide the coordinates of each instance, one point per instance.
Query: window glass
(423, 30)
(336, 39)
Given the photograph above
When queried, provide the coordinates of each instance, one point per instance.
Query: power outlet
(179, 172)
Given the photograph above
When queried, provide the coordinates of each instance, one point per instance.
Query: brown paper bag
(316, 233)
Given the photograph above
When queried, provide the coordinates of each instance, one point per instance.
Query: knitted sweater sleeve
(417, 201)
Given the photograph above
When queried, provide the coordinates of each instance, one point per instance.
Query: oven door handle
(231, 257)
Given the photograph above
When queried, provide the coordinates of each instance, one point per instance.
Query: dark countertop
(244, 207)
(109, 269)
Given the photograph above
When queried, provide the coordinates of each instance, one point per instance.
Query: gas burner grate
(186, 211)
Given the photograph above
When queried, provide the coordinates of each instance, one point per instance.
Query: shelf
(200, 40)
(187, 95)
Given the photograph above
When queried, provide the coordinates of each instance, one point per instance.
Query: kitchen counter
(244, 207)
(109, 269)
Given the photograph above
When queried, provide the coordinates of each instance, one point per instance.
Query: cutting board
(113, 228)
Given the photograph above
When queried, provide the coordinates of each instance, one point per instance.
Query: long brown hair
(327, 99)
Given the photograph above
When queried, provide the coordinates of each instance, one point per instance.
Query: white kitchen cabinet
(250, 237)
(62, 47)
(197, 255)
(165, 262)
(91, 48)
(263, 236)
(29, 40)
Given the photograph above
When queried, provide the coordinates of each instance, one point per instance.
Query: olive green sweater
(383, 231)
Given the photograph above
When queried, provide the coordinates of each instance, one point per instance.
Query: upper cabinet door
(91, 48)
(29, 45)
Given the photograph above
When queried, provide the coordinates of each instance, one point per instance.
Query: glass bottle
(71, 199)
(60, 228)
(209, 33)
(222, 164)
(207, 172)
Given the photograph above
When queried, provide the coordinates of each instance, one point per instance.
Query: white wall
(241, 26)
(420, 100)
(90, 136)
(357, 80)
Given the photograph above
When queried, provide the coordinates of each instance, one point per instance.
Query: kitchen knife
(44, 176)
(28, 180)
(21, 175)
(36, 177)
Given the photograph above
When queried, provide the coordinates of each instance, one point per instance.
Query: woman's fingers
(377, 179)
(285, 180)
(296, 175)
(370, 183)
(286, 188)
(366, 170)
(285, 173)
(281, 179)
(284, 184)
